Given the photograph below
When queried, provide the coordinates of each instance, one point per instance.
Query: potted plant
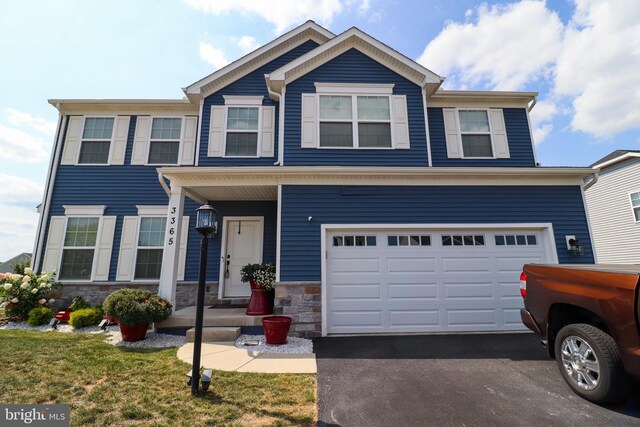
(261, 278)
(135, 309)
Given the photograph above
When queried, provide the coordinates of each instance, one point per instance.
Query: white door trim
(223, 245)
(545, 227)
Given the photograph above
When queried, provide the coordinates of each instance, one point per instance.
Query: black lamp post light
(207, 226)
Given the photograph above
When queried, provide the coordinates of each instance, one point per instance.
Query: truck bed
(606, 268)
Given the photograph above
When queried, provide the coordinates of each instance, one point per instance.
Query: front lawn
(106, 385)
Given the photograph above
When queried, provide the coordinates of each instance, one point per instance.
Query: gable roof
(254, 60)
(354, 38)
(615, 157)
(7, 266)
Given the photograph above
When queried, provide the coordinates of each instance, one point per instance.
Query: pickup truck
(589, 319)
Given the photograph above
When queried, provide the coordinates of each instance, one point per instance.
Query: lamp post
(207, 226)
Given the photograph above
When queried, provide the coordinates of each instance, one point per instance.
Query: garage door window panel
(350, 241)
(463, 240)
(409, 240)
(516, 240)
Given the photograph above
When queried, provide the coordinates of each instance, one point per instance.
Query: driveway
(442, 380)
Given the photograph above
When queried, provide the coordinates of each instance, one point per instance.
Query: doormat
(229, 306)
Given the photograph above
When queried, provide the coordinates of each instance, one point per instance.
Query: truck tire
(589, 362)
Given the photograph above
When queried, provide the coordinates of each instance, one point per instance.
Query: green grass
(106, 385)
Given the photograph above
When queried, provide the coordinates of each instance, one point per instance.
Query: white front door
(243, 246)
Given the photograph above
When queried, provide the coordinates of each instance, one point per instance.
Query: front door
(243, 246)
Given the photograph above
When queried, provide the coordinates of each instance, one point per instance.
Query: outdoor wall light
(575, 247)
(206, 220)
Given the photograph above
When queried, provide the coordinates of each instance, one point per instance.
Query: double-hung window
(164, 143)
(96, 140)
(150, 247)
(79, 248)
(635, 205)
(475, 133)
(242, 132)
(350, 121)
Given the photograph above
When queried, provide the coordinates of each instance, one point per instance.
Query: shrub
(39, 316)
(85, 317)
(19, 293)
(79, 303)
(136, 306)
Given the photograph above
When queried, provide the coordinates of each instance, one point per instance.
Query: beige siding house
(613, 203)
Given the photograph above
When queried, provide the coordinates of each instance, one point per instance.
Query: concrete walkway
(225, 356)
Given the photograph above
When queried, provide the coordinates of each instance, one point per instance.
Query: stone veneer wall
(95, 293)
(301, 301)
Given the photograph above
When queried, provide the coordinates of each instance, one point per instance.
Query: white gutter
(46, 197)
(588, 184)
(533, 104)
(198, 137)
(280, 99)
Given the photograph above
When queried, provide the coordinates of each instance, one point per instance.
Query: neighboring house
(386, 203)
(7, 267)
(613, 203)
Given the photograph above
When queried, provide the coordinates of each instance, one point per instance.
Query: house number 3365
(172, 228)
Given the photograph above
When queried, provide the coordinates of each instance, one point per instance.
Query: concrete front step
(215, 334)
(186, 318)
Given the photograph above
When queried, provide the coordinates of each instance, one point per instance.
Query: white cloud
(541, 116)
(20, 146)
(599, 65)
(592, 62)
(282, 13)
(18, 216)
(505, 47)
(364, 7)
(21, 119)
(212, 55)
(247, 44)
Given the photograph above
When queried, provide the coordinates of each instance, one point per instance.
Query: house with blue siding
(387, 204)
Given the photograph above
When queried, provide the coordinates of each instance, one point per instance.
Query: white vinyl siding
(616, 233)
(477, 133)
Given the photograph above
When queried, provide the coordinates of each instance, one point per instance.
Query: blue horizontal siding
(300, 239)
(354, 67)
(253, 84)
(121, 188)
(518, 136)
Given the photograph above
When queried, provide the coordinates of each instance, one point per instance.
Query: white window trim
(354, 88)
(136, 245)
(111, 141)
(242, 101)
(152, 210)
(257, 131)
(490, 133)
(84, 210)
(94, 247)
(180, 144)
(354, 116)
(633, 213)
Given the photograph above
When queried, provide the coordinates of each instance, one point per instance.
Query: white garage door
(427, 280)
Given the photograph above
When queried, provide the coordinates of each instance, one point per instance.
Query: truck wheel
(590, 363)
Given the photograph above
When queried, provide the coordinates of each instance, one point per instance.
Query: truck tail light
(523, 284)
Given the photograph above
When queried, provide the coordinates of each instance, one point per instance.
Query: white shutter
(268, 131)
(309, 137)
(499, 133)
(127, 246)
(72, 141)
(190, 130)
(103, 249)
(121, 133)
(452, 135)
(400, 122)
(216, 132)
(141, 140)
(182, 257)
(54, 244)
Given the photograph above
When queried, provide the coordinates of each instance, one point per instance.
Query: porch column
(170, 255)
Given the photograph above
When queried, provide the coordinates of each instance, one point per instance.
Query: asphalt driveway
(441, 380)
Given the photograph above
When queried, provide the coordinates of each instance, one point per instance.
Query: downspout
(199, 136)
(533, 104)
(280, 99)
(164, 184)
(588, 184)
(46, 197)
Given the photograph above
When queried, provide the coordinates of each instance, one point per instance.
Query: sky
(582, 56)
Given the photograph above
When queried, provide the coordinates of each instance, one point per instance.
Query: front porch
(185, 318)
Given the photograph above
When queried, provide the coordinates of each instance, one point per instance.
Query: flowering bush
(262, 274)
(136, 306)
(19, 293)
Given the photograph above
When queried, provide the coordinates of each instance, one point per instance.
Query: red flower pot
(276, 329)
(133, 332)
(261, 301)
